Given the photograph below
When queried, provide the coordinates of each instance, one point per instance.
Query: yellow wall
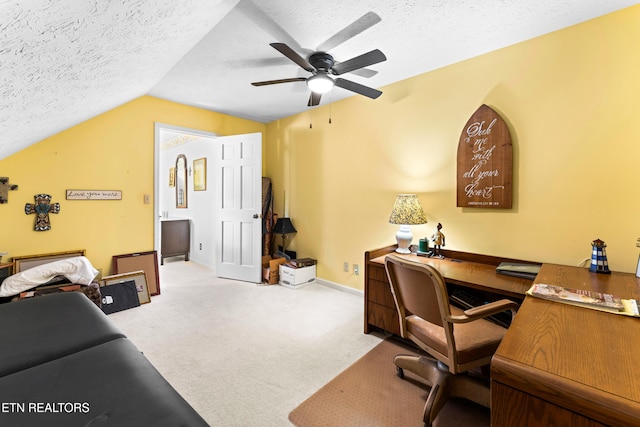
(570, 99)
(113, 151)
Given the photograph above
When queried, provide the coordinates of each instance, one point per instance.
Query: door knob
(256, 215)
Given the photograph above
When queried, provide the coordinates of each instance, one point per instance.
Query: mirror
(181, 181)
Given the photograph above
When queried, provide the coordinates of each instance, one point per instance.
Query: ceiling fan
(323, 67)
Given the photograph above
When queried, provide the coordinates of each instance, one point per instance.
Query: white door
(238, 189)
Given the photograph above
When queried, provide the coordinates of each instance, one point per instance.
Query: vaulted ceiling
(65, 61)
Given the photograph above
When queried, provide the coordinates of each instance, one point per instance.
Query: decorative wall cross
(42, 208)
(4, 189)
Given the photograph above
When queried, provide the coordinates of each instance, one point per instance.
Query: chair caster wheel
(400, 372)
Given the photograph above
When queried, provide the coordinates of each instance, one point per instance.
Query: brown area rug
(369, 393)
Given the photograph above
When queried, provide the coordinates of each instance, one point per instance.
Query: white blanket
(77, 270)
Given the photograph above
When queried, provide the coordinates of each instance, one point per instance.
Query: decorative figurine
(438, 240)
(599, 262)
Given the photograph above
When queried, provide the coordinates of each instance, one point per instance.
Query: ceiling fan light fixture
(320, 83)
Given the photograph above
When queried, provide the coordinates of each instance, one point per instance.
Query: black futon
(62, 363)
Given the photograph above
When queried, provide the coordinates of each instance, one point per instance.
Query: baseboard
(203, 264)
(318, 281)
(340, 287)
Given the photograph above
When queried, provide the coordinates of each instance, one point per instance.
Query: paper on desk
(594, 300)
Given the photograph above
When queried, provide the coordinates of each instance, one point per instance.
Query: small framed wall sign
(94, 195)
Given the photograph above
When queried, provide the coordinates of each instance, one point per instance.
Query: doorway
(223, 205)
(172, 142)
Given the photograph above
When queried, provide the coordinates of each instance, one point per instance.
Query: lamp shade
(284, 226)
(407, 211)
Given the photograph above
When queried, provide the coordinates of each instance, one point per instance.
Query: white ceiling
(65, 61)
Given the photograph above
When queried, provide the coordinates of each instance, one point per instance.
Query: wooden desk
(563, 365)
(471, 271)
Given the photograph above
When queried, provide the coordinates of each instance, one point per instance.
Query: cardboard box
(295, 278)
(270, 271)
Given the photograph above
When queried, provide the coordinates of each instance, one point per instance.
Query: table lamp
(406, 211)
(284, 226)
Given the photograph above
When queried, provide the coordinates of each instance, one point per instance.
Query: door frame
(158, 128)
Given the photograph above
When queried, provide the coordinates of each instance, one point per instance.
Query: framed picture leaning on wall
(138, 277)
(145, 261)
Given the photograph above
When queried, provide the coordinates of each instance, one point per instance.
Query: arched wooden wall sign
(485, 162)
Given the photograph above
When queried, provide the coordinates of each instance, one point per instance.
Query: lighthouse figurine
(599, 262)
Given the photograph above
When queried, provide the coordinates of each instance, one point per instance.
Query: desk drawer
(377, 272)
(380, 293)
(511, 407)
(383, 317)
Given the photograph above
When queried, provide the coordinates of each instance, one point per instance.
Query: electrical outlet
(638, 242)
(356, 269)
(200, 246)
(345, 266)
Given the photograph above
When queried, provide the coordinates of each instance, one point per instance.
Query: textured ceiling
(65, 61)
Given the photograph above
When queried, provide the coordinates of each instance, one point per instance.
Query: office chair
(457, 340)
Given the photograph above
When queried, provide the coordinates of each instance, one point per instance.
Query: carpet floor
(369, 393)
(242, 354)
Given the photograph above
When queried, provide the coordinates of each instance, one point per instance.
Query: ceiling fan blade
(364, 60)
(259, 62)
(365, 22)
(314, 99)
(264, 21)
(357, 88)
(275, 82)
(365, 72)
(292, 55)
